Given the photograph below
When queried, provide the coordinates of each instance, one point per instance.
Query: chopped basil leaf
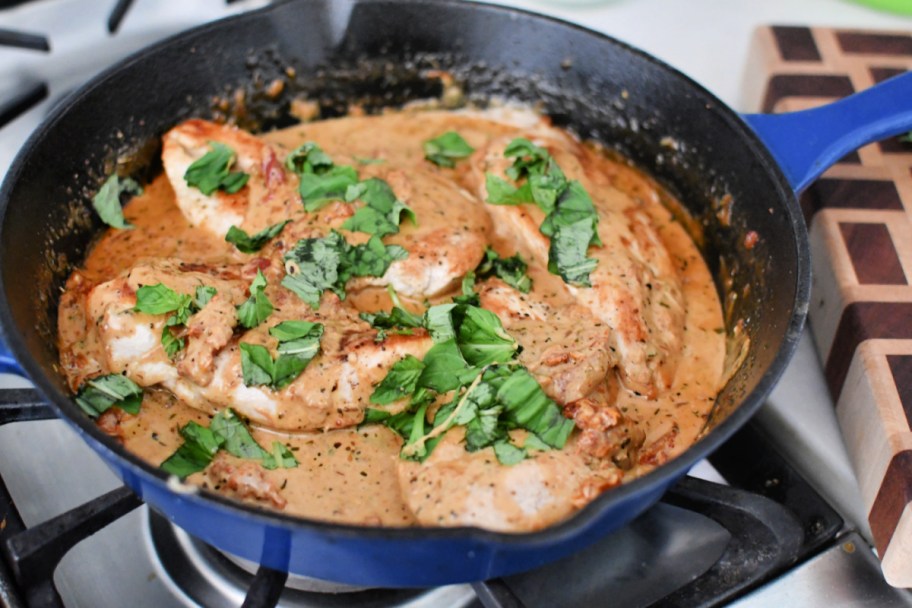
(318, 264)
(195, 454)
(257, 366)
(160, 299)
(280, 457)
(373, 258)
(293, 334)
(573, 226)
(417, 432)
(287, 368)
(480, 417)
(534, 443)
(493, 394)
(500, 192)
(511, 271)
(299, 343)
(99, 394)
(170, 342)
(508, 454)
(211, 171)
(530, 159)
(445, 368)
(321, 180)
(257, 307)
(571, 220)
(400, 381)
(468, 297)
(237, 440)
(445, 149)
(567, 254)
(228, 432)
(439, 322)
(382, 212)
(308, 158)
(251, 244)
(372, 415)
(313, 266)
(203, 294)
(483, 340)
(528, 407)
(107, 200)
(396, 318)
(317, 190)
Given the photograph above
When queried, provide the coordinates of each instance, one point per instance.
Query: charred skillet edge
(570, 528)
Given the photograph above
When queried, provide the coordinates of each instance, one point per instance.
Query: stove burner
(24, 40)
(21, 102)
(209, 577)
(117, 15)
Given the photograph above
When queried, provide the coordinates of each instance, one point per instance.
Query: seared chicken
(332, 392)
(448, 241)
(635, 289)
(458, 488)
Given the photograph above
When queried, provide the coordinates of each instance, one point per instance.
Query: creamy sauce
(352, 475)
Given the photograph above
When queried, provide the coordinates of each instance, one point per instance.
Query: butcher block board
(858, 214)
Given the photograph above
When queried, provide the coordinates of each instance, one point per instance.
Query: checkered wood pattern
(861, 248)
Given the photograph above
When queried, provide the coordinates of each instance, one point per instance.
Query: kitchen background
(712, 41)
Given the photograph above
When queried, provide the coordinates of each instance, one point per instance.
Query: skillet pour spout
(379, 53)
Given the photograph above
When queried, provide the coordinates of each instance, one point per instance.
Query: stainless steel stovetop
(48, 470)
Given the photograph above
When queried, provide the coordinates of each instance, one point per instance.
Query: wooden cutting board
(858, 214)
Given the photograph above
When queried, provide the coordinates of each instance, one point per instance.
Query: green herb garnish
(160, 299)
(251, 244)
(298, 344)
(226, 432)
(399, 382)
(199, 448)
(475, 357)
(571, 220)
(398, 319)
(511, 271)
(321, 180)
(99, 394)
(318, 264)
(382, 211)
(212, 172)
(107, 200)
(257, 307)
(445, 149)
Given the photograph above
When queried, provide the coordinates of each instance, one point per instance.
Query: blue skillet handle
(808, 142)
(8, 365)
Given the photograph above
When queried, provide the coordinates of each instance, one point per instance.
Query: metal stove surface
(49, 470)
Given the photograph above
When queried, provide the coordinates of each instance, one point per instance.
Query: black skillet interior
(382, 53)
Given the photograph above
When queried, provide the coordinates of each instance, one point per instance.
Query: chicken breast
(635, 289)
(271, 192)
(447, 241)
(563, 346)
(331, 392)
(453, 487)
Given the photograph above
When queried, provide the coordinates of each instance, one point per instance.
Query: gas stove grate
(773, 517)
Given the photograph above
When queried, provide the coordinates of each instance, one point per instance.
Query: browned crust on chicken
(605, 432)
(244, 480)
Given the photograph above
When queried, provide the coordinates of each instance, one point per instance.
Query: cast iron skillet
(380, 53)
